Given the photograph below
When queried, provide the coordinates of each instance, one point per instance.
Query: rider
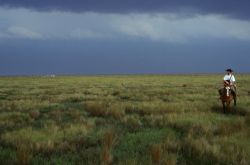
(229, 80)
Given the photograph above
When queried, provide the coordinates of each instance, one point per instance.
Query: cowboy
(229, 81)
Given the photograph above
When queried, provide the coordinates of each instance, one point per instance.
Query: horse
(226, 97)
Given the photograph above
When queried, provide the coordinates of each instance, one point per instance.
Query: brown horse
(226, 97)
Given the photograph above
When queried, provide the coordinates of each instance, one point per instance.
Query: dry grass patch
(95, 108)
(46, 139)
(109, 140)
(23, 154)
(228, 128)
(14, 119)
(100, 109)
(156, 153)
(116, 111)
(132, 122)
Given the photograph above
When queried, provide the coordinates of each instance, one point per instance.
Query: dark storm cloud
(22, 57)
(232, 8)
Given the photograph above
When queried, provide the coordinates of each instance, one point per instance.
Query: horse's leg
(234, 95)
(235, 99)
(220, 91)
(224, 107)
(228, 106)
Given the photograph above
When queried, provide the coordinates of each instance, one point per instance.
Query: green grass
(134, 119)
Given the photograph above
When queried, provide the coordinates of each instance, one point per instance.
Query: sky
(124, 37)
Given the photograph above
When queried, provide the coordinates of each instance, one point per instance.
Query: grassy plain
(135, 119)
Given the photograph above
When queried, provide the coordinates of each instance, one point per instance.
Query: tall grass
(108, 142)
(135, 119)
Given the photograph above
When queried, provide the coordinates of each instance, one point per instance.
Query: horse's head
(226, 93)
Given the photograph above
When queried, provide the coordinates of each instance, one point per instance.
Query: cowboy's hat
(229, 70)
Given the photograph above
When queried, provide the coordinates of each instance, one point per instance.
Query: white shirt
(229, 77)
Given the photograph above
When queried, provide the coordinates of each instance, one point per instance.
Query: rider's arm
(233, 80)
(226, 82)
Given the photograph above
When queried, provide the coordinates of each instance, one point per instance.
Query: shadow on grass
(235, 110)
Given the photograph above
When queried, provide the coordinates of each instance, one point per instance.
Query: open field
(137, 119)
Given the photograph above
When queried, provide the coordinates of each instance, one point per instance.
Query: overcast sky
(123, 37)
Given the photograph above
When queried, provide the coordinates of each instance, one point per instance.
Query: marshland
(122, 119)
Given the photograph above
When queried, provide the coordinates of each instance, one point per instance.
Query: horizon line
(115, 74)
